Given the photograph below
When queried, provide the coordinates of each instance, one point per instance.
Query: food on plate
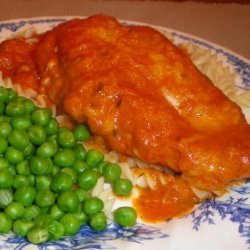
(145, 98)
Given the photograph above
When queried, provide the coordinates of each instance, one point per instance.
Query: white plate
(214, 225)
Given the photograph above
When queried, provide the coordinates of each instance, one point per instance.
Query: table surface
(227, 24)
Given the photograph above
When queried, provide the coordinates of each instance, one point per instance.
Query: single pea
(83, 195)
(47, 149)
(5, 129)
(64, 158)
(6, 197)
(52, 127)
(39, 165)
(81, 133)
(3, 94)
(20, 181)
(66, 139)
(3, 163)
(14, 210)
(31, 212)
(125, 216)
(68, 201)
(55, 229)
(93, 205)
(79, 166)
(55, 212)
(61, 182)
(3, 145)
(111, 172)
(71, 173)
(12, 95)
(21, 122)
(45, 198)
(98, 222)
(88, 179)
(13, 155)
(43, 182)
(6, 178)
(23, 168)
(20, 98)
(70, 223)
(122, 187)
(80, 151)
(41, 116)
(5, 223)
(37, 235)
(18, 138)
(25, 195)
(37, 134)
(29, 106)
(22, 226)
(29, 150)
(15, 108)
(93, 158)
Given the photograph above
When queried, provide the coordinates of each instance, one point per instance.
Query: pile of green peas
(46, 175)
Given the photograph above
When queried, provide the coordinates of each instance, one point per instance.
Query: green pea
(37, 235)
(18, 138)
(41, 116)
(98, 222)
(6, 178)
(70, 223)
(43, 182)
(55, 212)
(2, 108)
(61, 182)
(47, 149)
(125, 216)
(122, 187)
(13, 155)
(39, 165)
(66, 139)
(68, 201)
(15, 108)
(3, 145)
(100, 167)
(82, 194)
(79, 166)
(12, 95)
(3, 163)
(88, 179)
(52, 127)
(21, 122)
(25, 195)
(80, 151)
(31, 212)
(82, 133)
(6, 197)
(20, 181)
(3, 94)
(5, 223)
(45, 198)
(93, 158)
(22, 226)
(82, 217)
(111, 172)
(29, 150)
(5, 129)
(37, 134)
(23, 168)
(29, 106)
(55, 229)
(14, 210)
(93, 205)
(71, 173)
(42, 219)
(64, 158)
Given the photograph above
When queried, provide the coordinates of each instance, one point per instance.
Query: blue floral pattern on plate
(234, 208)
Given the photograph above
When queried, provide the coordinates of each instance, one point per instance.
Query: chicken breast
(145, 97)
